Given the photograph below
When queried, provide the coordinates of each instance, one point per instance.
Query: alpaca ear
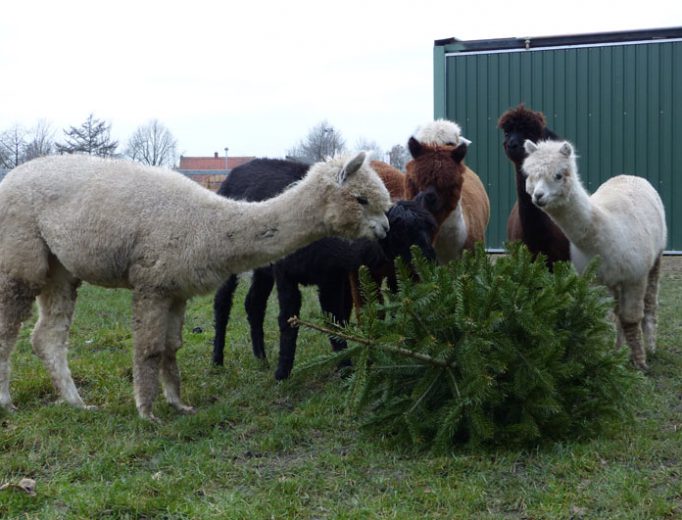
(351, 167)
(464, 140)
(415, 147)
(530, 146)
(459, 153)
(566, 149)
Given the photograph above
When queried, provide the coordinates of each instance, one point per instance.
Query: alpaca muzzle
(380, 228)
(539, 199)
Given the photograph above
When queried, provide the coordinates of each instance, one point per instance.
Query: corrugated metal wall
(621, 105)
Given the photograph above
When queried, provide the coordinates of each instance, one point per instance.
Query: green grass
(262, 449)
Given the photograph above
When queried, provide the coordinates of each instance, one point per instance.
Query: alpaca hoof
(8, 407)
(640, 365)
(185, 409)
(150, 417)
(344, 369)
(346, 363)
(282, 373)
(76, 404)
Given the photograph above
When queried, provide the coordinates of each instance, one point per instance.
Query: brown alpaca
(393, 178)
(454, 193)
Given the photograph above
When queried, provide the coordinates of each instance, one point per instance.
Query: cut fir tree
(486, 351)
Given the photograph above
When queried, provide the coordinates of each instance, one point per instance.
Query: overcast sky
(255, 76)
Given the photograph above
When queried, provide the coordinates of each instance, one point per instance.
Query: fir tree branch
(295, 321)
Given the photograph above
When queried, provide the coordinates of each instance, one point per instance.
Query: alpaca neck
(527, 209)
(535, 223)
(283, 224)
(576, 217)
(257, 233)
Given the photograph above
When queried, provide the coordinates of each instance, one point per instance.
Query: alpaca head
(411, 224)
(437, 170)
(356, 200)
(551, 171)
(519, 124)
(441, 133)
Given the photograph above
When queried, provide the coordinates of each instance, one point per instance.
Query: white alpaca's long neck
(576, 217)
(263, 232)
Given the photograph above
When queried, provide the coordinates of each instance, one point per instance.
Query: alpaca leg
(169, 373)
(289, 297)
(631, 312)
(56, 304)
(255, 304)
(649, 325)
(150, 329)
(222, 305)
(620, 335)
(356, 296)
(16, 300)
(336, 300)
(333, 297)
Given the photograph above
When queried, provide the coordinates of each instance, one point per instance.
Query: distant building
(210, 171)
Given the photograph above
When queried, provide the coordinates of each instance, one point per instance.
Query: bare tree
(398, 157)
(40, 141)
(12, 144)
(153, 144)
(375, 151)
(323, 141)
(93, 137)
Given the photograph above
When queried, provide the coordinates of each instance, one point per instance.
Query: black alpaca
(326, 263)
(526, 222)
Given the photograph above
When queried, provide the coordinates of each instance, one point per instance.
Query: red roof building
(210, 171)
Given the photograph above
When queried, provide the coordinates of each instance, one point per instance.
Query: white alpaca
(64, 219)
(623, 222)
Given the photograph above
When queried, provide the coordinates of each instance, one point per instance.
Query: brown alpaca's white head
(356, 198)
(441, 132)
(551, 172)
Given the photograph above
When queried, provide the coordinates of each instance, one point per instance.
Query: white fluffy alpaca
(441, 132)
(114, 223)
(623, 222)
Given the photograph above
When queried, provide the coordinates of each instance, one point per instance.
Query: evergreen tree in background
(484, 351)
(93, 137)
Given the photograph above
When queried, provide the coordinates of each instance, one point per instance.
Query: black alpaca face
(519, 124)
(515, 136)
(411, 225)
(430, 200)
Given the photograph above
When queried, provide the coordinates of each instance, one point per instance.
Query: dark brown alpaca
(526, 222)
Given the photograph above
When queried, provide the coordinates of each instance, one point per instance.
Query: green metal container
(616, 96)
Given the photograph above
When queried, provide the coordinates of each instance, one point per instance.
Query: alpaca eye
(558, 176)
(362, 200)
